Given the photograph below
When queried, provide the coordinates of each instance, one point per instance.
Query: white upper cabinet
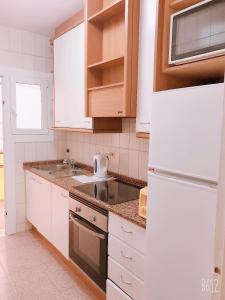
(147, 30)
(69, 52)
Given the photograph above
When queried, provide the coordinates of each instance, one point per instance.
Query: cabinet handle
(93, 219)
(126, 231)
(143, 123)
(39, 182)
(64, 196)
(124, 281)
(126, 256)
(120, 112)
(33, 179)
(78, 209)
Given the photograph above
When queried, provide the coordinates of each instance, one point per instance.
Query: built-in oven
(88, 237)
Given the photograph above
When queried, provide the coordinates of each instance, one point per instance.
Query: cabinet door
(60, 220)
(146, 64)
(180, 239)
(31, 209)
(69, 80)
(43, 206)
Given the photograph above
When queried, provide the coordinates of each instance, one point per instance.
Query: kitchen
(113, 121)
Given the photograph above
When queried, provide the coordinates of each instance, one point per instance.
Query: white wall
(25, 50)
(131, 154)
(33, 52)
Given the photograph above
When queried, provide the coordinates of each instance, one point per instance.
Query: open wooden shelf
(108, 12)
(107, 63)
(112, 28)
(106, 86)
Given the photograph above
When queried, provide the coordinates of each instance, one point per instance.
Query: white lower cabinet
(129, 283)
(113, 292)
(126, 256)
(47, 208)
(39, 203)
(126, 247)
(60, 219)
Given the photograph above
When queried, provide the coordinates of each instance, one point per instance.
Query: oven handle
(76, 222)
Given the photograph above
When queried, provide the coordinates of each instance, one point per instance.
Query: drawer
(126, 256)
(129, 283)
(130, 233)
(113, 292)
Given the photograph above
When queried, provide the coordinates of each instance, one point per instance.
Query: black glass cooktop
(111, 192)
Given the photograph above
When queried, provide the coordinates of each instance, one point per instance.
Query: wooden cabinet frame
(112, 28)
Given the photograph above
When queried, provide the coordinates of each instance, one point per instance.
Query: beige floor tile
(29, 271)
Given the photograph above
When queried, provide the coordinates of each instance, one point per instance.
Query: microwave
(197, 32)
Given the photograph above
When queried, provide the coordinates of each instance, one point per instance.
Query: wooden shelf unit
(111, 57)
(107, 63)
(107, 12)
(188, 74)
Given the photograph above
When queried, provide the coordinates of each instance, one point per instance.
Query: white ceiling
(38, 16)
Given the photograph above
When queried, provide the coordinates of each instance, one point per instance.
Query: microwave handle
(77, 223)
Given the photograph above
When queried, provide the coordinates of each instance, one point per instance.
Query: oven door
(88, 248)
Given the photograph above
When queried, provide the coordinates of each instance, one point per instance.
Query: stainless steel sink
(57, 167)
(60, 170)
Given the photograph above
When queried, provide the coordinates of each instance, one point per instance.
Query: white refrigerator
(184, 248)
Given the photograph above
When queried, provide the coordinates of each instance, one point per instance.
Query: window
(28, 106)
(29, 110)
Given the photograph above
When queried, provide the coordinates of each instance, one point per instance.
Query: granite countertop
(127, 210)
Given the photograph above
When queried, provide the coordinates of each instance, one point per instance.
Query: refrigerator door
(186, 131)
(180, 240)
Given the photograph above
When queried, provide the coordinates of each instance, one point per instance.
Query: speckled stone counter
(127, 210)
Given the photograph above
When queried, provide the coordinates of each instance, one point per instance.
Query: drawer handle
(39, 182)
(124, 281)
(126, 256)
(33, 178)
(126, 231)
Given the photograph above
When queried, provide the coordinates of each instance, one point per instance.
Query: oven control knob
(93, 218)
(78, 209)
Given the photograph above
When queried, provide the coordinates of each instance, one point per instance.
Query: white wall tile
(20, 152)
(30, 152)
(124, 161)
(39, 64)
(4, 38)
(28, 43)
(127, 159)
(15, 40)
(40, 47)
(42, 151)
(27, 62)
(133, 163)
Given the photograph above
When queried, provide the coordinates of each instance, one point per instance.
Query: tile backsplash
(130, 155)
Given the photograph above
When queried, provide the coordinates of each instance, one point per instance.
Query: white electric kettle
(101, 162)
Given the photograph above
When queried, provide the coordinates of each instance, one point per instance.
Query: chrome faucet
(69, 162)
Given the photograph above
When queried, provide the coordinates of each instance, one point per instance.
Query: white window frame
(44, 84)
